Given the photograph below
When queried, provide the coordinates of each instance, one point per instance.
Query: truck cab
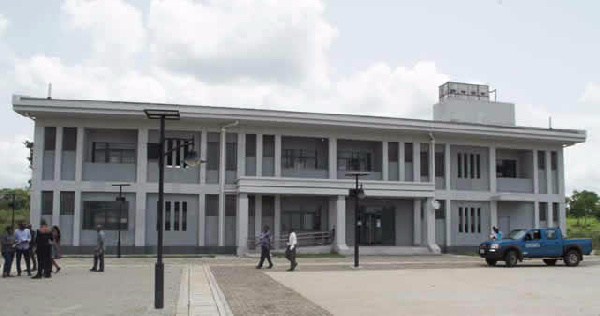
(547, 244)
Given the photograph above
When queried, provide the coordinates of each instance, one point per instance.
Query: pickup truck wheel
(572, 258)
(550, 262)
(491, 262)
(511, 258)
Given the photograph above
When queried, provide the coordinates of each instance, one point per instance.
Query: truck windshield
(517, 234)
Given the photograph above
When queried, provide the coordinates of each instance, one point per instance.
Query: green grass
(591, 229)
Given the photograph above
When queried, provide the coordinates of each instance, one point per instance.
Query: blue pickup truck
(547, 244)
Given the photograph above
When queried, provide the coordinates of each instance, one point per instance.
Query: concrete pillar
(416, 222)
(203, 154)
(548, 171)
(447, 166)
(55, 207)
(448, 216)
(241, 154)
(258, 214)
(259, 154)
(401, 162)
(58, 154)
(242, 224)
(430, 227)
(140, 218)
(332, 158)
(277, 155)
(277, 220)
(142, 155)
(536, 180)
(417, 162)
(201, 219)
(536, 214)
(561, 173)
(493, 214)
(35, 206)
(549, 214)
(492, 168)
(222, 146)
(340, 225)
(79, 154)
(77, 218)
(562, 213)
(384, 161)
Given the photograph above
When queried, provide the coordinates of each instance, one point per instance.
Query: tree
(582, 202)
(29, 146)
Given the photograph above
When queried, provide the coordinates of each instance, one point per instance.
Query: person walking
(290, 252)
(55, 247)
(99, 251)
(8, 250)
(23, 238)
(43, 242)
(265, 246)
(32, 247)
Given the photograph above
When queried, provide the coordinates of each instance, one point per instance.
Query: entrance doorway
(377, 226)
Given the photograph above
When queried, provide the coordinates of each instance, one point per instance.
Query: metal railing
(304, 239)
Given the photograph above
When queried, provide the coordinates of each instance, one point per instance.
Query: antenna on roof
(550, 122)
(50, 90)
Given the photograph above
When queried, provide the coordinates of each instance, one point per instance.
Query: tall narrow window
(460, 219)
(472, 166)
(184, 216)
(460, 165)
(169, 144)
(478, 166)
(541, 160)
(176, 216)
(553, 160)
(49, 138)
(472, 219)
(466, 163)
(67, 203)
(408, 152)
(47, 201)
(479, 220)
(466, 219)
(167, 215)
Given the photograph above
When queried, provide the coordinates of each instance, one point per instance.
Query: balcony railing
(305, 239)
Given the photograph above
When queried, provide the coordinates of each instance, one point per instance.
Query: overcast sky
(338, 56)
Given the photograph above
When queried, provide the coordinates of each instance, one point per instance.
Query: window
(479, 220)
(534, 235)
(460, 220)
(268, 145)
(472, 165)
(408, 152)
(553, 160)
(250, 145)
(67, 203)
(231, 156)
(212, 205)
(459, 159)
(47, 200)
(541, 160)
(301, 221)
(424, 160)
(113, 153)
(49, 138)
(555, 213)
(167, 217)
(472, 219)
(213, 152)
(466, 165)
(230, 205)
(543, 211)
(506, 168)
(441, 213)
(184, 216)
(300, 159)
(478, 156)
(105, 213)
(393, 152)
(359, 160)
(176, 216)
(69, 138)
(440, 165)
(469, 166)
(551, 234)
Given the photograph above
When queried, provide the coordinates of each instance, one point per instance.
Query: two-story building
(288, 170)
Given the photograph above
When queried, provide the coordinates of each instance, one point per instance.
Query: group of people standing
(39, 248)
(265, 240)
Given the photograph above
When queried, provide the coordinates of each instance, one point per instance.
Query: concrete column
(562, 213)
(203, 154)
(35, 207)
(55, 207)
(417, 162)
(493, 214)
(258, 214)
(332, 158)
(561, 173)
(277, 220)
(242, 224)
(448, 216)
(536, 180)
(401, 162)
(447, 166)
(340, 225)
(140, 217)
(492, 168)
(142, 156)
(278, 155)
(79, 154)
(222, 147)
(416, 222)
(58, 154)
(548, 175)
(549, 214)
(536, 214)
(385, 161)
(430, 227)
(241, 154)
(77, 218)
(201, 219)
(259, 154)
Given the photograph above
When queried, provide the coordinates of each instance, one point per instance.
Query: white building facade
(287, 170)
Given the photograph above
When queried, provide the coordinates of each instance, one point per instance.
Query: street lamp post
(192, 159)
(120, 199)
(358, 193)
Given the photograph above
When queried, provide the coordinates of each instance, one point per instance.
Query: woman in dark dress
(55, 247)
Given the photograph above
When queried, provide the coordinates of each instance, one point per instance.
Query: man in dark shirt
(44, 251)
(265, 245)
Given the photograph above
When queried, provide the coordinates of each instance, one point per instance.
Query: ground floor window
(105, 213)
(301, 221)
(175, 216)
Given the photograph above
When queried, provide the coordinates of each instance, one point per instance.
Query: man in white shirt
(290, 252)
(23, 238)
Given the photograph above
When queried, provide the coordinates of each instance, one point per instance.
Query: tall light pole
(359, 194)
(120, 199)
(192, 159)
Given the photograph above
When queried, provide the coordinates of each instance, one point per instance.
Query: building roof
(41, 107)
